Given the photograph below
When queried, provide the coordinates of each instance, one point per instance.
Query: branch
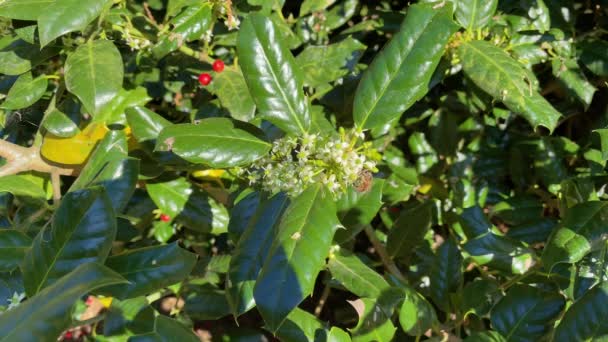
(384, 257)
(23, 159)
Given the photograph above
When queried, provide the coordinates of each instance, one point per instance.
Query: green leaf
(245, 207)
(400, 74)
(409, 230)
(25, 92)
(231, 90)
(374, 321)
(500, 253)
(114, 111)
(494, 71)
(63, 120)
(188, 205)
(206, 302)
(13, 245)
(251, 252)
(583, 229)
(416, 315)
(149, 269)
(30, 187)
(64, 16)
(586, 320)
(309, 6)
(216, 142)
(110, 167)
(485, 336)
(94, 73)
(479, 296)
(18, 56)
(296, 256)
(526, 313)
(167, 329)
(603, 134)
(356, 209)
(272, 75)
(82, 230)
(301, 326)
(475, 14)
(43, 317)
(191, 24)
(446, 274)
(327, 63)
(594, 55)
(356, 276)
(24, 9)
(569, 73)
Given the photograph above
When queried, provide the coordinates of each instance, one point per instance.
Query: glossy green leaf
(475, 14)
(474, 222)
(296, 256)
(251, 252)
(374, 322)
(188, 204)
(603, 134)
(585, 320)
(191, 24)
(309, 6)
(24, 9)
(356, 276)
(409, 229)
(13, 245)
(206, 303)
(216, 142)
(485, 336)
(114, 111)
(110, 167)
(301, 326)
(399, 75)
(500, 253)
(167, 329)
(63, 120)
(526, 313)
(356, 209)
(18, 56)
(82, 230)
(64, 16)
(27, 186)
(272, 75)
(583, 229)
(494, 71)
(94, 73)
(149, 269)
(573, 78)
(44, 316)
(244, 209)
(128, 316)
(446, 275)
(231, 90)
(25, 92)
(479, 296)
(594, 55)
(416, 315)
(327, 63)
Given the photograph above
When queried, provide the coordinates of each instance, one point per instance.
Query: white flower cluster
(295, 163)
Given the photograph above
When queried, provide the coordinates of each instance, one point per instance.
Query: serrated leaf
(494, 71)
(24, 9)
(584, 228)
(272, 75)
(149, 269)
(82, 230)
(216, 142)
(374, 321)
(475, 14)
(63, 16)
(526, 313)
(569, 73)
(296, 256)
(301, 326)
(25, 92)
(166, 329)
(44, 316)
(188, 205)
(400, 74)
(356, 276)
(416, 315)
(13, 245)
(586, 319)
(94, 73)
(409, 230)
(251, 252)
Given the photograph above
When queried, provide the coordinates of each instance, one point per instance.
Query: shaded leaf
(475, 14)
(356, 276)
(25, 92)
(13, 245)
(409, 229)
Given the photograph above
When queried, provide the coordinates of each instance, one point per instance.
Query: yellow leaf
(106, 301)
(208, 174)
(74, 150)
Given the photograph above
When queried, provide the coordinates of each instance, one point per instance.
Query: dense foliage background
(182, 170)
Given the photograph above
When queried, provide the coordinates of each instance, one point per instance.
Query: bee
(364, 182)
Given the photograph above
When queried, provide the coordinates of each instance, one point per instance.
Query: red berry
(89, 300)
(218, 65)
(204, 79)
(165, 218)
(67, 335)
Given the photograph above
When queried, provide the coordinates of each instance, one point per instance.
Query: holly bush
(317, 170)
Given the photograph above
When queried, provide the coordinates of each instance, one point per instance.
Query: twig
(22, 159)
(381, 251)
(149, 14)
(324, 296)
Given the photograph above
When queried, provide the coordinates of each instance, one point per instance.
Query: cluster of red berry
(204, 78)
